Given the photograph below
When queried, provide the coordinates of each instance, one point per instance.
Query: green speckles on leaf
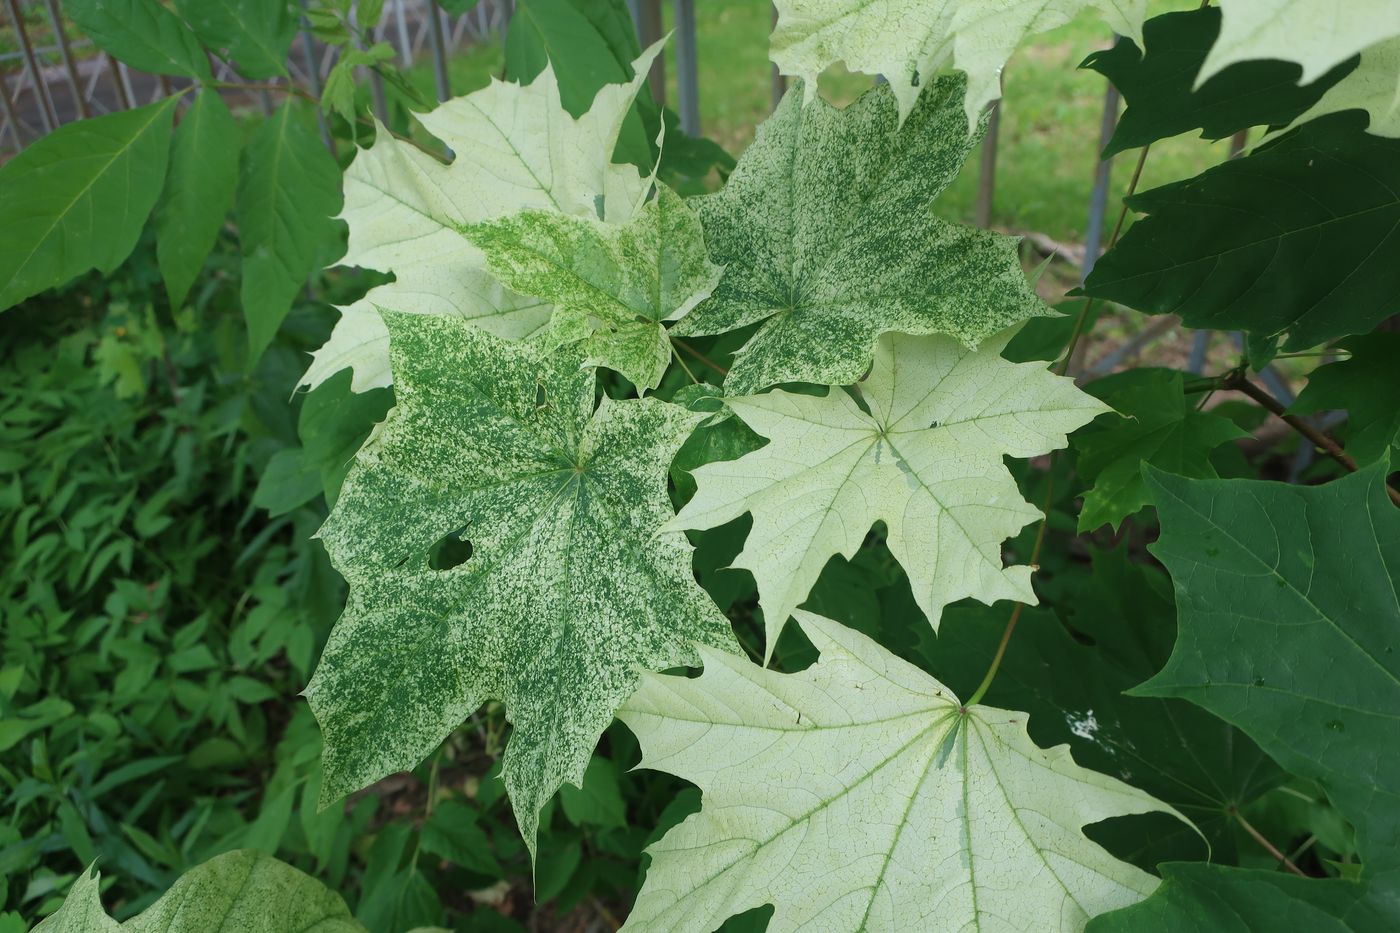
(515, 148)
(926, 460)
(242, 890)
(569, 589)
(612, 285)
(827, 239)
(859, 795)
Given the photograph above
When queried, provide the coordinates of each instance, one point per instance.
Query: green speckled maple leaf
(926, 459)
(861, 795)
(612, 285)
(569, 588)
(908, 41)
(243, 890)
(515, 148)
(827, 238)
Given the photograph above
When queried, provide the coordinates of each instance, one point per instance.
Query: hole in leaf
(451, 550)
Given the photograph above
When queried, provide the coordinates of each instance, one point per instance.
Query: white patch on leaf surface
(926, 460)
(860, 795)
(910, 41)
(516, 148)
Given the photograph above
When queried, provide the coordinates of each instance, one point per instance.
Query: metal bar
(119, 83)
(313, 76)
(11, 116)
(376, 82)
(69, 64)
(1132, 346)
(1276, 384)
(41, 90)
(1199, 345)
(401, 21)
(687, 68)
(1103, 174)
(444, 86)
(650, 27)
(987, 170)
(779, 80)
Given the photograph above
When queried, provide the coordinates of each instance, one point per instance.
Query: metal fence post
(69, 64)
(687, 68)
(1103, 174)
(31, 63)
(11, 115)
(444, 86)
(649, 27)
(779, 80)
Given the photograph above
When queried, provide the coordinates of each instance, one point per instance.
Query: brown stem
(1240, 382)
(699, 356)
(1272, 849)
(1078, 331)
(1062, 368)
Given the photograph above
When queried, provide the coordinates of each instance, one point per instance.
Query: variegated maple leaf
(918, 446)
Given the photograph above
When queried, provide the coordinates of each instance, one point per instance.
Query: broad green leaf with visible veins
(198, 191)
(908, 41)
(1238, 246)
(827, 240)
(569, 589)
(1288, 627)
(1367, 386)
(78, 198)
(242, 890)
(1123, 623)
(1199, 898)
(516, 148)
(1316, 34)
(860, 794)
(1373, 87)
(1163, 101)
(926, 459)
(287, 193)
(1159, 425)
(612, 285)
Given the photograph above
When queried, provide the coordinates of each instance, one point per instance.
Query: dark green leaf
(288, 190)
(1288, 628)
(77, 199)
(599, 801)
(590, 44)
(1159, 87)
(1196, 898)
(198, 192)
(1158, 425)
(1367, 387)
(453, 832)
(1072, 688)
(287, 482)
(256, 33)
(143, 34)
(1297, 238)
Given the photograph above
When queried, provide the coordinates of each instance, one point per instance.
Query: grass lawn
(1047, 151)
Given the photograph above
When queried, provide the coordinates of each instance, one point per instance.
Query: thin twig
(682, 362)
(1240, 382)
(1079, 330)
(1272, 849)
(1062, 368)
(700, 356)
